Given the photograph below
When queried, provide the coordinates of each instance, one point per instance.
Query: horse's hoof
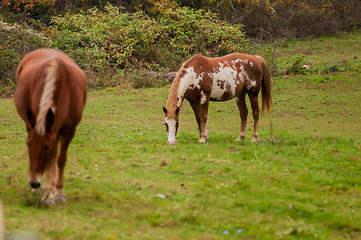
(202, 140)
(49, 202)
(254, 140)
(60, 199)
(240, 138)
(48, 199)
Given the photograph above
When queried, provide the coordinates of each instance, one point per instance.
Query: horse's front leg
(203, 132)
(200, 110)
(49, 187)
(64, 145)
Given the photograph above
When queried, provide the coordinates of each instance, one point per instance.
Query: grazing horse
(50, 97)
(202, 79)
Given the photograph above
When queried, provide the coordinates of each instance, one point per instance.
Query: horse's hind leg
(255, 112)
(243, 112)
(201, 114)
(65, 140)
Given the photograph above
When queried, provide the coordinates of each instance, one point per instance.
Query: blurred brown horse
(202, 79)
(50, 97)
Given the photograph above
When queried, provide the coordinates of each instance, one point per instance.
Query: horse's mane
(172, 97)
(172, 102)
(47, 97)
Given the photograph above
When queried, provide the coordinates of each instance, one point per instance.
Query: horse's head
(42, 147)
(171, 124)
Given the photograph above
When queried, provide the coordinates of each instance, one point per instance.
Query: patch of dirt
(234, 149)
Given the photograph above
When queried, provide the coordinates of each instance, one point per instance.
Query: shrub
(117, 40)
(15, 42)
(296, 64)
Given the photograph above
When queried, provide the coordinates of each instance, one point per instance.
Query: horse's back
(229, 75)
(32, 71)
(208, 64)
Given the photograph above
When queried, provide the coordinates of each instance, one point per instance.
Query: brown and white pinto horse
(201, 79)
(50, 97)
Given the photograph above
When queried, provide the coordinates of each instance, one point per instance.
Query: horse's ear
(177, 110)
(31, 117)
(49, 120)
(165, 110)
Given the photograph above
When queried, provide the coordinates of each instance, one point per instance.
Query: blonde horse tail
(266, 86)
(52, 80)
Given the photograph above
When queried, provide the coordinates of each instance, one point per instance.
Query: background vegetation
(128, 43)
(300, 181)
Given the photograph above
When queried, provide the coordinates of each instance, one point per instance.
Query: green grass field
(302, 180)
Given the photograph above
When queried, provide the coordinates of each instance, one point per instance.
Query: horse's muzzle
(35, 183)
(171, 142)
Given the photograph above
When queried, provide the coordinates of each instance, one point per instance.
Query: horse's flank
(40, 76)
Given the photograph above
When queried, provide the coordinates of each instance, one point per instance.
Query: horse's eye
(46, 148)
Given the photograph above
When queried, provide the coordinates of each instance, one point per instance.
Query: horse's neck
(177, 92)
(174, 100)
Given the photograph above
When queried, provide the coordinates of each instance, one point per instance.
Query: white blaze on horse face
(189, 80)
(172, 129)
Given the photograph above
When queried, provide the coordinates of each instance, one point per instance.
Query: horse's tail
(266, 86)
(54, 72)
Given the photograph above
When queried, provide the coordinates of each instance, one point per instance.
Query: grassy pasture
(300, 181)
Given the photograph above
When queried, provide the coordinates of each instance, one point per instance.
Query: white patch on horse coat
(189, 80)
(203, 97)
(171, 130)
(224, 79)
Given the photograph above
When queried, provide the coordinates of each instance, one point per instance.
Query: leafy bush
(326, 68)
(15, 42)
(186, 32)
(296, 64)
(117, 40)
